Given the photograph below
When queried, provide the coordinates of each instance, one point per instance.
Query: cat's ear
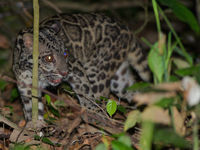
(28, 40)
(56, 26)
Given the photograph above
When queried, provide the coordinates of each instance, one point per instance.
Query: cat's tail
(138, 60)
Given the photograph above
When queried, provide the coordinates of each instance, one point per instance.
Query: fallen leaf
(178, 122)
(132, 118)
(151, 97)
(22, 123)
(4, 42)
(156, 114)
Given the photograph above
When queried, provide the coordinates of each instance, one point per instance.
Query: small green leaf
(121, 108)
(48, 99)
(67, 87)
(117, 145)
(103, 98)
(47, 141)
(36, 137)
(14, 94)
(125, 140)
(101, 147)
(20, 147)
(54, 111)
(188, 71)
(165, 102)
(156, 62)
(139, 86)
(173, 78)
(132, 119)
(59, 103)
(111, 107)
(168, 136)
(2, 84)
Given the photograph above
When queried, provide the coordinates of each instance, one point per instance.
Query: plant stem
(147, 135)
(187, 56)
(35, 62)
(155, 8)
(195, 136)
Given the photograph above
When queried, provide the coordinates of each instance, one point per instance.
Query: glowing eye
(49, 58)
(65, 54)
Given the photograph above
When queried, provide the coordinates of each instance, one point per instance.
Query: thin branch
(50, 4)
(98, 6)
(9, 123)
(198, 10)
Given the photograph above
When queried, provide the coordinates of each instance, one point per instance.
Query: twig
(198, 10)
(98, 6)
(9, 123)
(146, 19)
(50, 4)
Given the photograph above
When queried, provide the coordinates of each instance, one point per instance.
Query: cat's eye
(49, 58)
(65, 54)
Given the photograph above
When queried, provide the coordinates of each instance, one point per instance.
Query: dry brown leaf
(107, 140)
(2, 147)
(178, 122)
(22, 123)
(173, 86)
(4, 42)
(151, 97)
(18, 135)
(156, 114)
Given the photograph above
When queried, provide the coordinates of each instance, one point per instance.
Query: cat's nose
(63, 73)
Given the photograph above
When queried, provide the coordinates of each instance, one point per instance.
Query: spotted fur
(92, 52)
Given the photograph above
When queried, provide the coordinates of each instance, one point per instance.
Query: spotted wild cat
(92, 52)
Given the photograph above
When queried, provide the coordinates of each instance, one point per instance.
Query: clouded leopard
(91, 52)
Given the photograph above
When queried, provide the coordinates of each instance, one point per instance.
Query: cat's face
(52, 66)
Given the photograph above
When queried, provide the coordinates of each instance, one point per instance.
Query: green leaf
(47, 141)
(117, 145)
(59, 103)
(111, 107)
(54, 111)
(183, 13)
(14, 94)
(121, 108)
(125, 140)
(168, 136)
(173, 78)
(48, 99)
(139, 86)
(156, 62)
(103, 98)
(165, 102)
(188, 71)
(2, 84)
(101, 147)
(20, 147)
(132, 119)
(146, 135)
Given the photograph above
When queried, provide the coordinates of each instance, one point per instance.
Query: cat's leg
(122, 79)
(24, 86)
